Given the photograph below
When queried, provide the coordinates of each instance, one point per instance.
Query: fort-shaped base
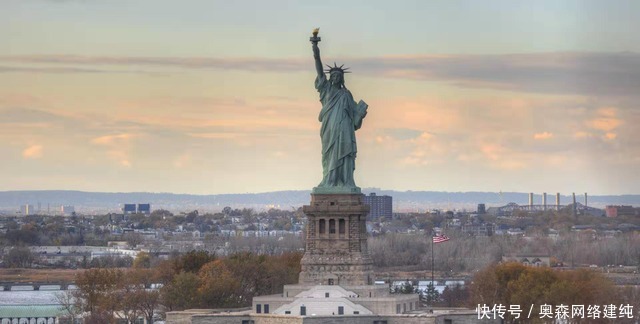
(336, 241)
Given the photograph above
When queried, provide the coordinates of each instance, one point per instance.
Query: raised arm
(316, 56)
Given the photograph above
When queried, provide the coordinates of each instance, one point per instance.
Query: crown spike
(336, 68)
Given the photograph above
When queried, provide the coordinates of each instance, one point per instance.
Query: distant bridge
(510, 208)
(48, 285)
(36, 285)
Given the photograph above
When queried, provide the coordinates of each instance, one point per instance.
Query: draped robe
(340, 117)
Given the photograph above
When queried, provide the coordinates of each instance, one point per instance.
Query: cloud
(570, 72)
(113, 139)
(246, 64)
(118, 146)
(24, 116)
(66, 70)
(32, 152)
(9, 69)
(542, 136)
(586, 73)
(606, 120)
(582, 135)
(182, 161)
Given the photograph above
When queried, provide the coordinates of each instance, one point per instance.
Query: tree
(133, 239)
(142, 260)
(148, 303)
(137, 296)
(124, 300)
(430, 295)
(71, 307)
(454, 296)
(20, 257)
(192, 261)
(182, 292)
(95, 292)
(516, 284)
(220, 286)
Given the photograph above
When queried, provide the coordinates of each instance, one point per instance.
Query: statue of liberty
(340, 117)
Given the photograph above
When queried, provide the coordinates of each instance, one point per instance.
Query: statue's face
(336, 78)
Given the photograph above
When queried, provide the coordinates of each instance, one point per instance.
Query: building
(136, 209)
(615, 211)
(479, 229)
(27, 210)
(380, 206)
(535, 260)
(129, 209)
(144, 208)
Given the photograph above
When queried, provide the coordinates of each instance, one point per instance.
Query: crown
(336, 68)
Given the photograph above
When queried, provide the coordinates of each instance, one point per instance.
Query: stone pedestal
(336, 241)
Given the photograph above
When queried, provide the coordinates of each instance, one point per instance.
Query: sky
(210, 97)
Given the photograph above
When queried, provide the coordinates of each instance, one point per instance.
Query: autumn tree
(221, 287)
(182, 292)
(517, 284)
(142, 260)
(95, 292)
(454, 296)
(192, 261)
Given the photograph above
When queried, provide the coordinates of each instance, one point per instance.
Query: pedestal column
(337, 254)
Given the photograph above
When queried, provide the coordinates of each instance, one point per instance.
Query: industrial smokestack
(531, 199)
(585, 199)
(544, 200)
(557, 201)
(574, 204)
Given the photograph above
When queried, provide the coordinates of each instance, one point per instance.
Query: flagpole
(432, 261)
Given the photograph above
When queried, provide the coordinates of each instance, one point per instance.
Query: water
(29, 297)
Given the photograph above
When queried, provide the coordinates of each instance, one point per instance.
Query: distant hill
(282, 199)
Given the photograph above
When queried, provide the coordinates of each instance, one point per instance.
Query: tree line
(465, 253)
(515, 284)
(194, 280)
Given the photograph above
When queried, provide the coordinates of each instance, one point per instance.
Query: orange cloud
(604, 124)
(182, 161)
(32, 152)
(492, 151)
(542, 136)
(119, 147)
(582, 134)
(606, 120)
(502, 157)
(112, 139)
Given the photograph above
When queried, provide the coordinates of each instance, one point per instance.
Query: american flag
(440, 238)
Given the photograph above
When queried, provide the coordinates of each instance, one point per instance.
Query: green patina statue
(340, 116)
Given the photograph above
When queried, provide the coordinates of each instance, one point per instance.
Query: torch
(315, 39)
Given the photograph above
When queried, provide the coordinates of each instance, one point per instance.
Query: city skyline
(216, 97)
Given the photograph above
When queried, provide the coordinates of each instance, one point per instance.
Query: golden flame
(315, 31)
